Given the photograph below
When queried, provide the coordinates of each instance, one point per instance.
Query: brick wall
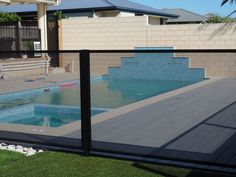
(130, 32)
(98, 62)
(193, 36)
(104, 33)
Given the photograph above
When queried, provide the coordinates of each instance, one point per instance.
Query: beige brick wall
(98, 62)
(220, 64)
(104, 33)
(203, 36)
(101, 33)
(130, 32)
(193, 36)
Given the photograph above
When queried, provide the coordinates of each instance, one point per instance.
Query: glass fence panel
(40, 99)
(166, 105)
(155, 103)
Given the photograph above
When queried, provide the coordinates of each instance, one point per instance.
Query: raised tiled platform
(156, 66)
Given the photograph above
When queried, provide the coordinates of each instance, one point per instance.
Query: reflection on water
(104, 93)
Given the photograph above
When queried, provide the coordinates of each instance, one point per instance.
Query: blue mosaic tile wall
(156, 66)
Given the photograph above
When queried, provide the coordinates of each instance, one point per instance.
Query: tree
(231, 2)
(215, 18)
(226, 1)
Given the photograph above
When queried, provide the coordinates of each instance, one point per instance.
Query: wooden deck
(196, 125)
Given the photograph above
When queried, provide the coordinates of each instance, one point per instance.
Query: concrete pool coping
(65, 130)
(13, 85)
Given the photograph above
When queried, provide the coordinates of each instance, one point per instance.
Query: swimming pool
(105, 94)
(44, 115)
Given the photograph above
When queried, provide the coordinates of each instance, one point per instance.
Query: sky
(198, 6)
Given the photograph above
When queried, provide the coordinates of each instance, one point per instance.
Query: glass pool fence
(156, 105)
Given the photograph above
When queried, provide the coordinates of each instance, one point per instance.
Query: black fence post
(17, 37)
(85, 100)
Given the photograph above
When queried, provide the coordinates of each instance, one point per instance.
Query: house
(96, 9)
(24, 66)
(40, 7)
(185, 16)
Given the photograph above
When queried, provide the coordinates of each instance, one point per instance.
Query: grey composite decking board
(228, 153)
(188, 140)
(196, 145)
(226, 118)
(184, 126)
(157, 124)
(31, 139)
(207, 140)
(206, 146)
(228, 150)
(233, 160)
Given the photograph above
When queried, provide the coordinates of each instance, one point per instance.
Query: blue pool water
(105, 93)
(44, 115)
(48, 119)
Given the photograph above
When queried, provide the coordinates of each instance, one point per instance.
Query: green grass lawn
(54, 164)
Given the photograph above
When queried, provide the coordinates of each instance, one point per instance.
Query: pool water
(53, 119)
(104, 94)
(47, 120)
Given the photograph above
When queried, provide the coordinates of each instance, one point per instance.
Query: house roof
(8, 2)
(184, 15)
(90, 5)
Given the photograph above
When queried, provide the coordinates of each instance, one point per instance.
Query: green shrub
(215, 18)
(9, 17)
(59, 14)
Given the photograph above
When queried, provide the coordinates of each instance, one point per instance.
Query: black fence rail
(110, 138)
